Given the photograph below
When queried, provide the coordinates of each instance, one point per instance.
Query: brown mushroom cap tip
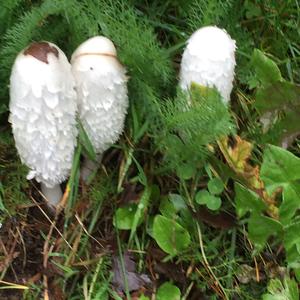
(40, 51)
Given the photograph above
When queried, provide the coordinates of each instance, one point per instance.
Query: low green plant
(195, 191)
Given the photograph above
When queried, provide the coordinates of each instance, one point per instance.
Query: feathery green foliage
(168, 158)
(207, 12)
(190, 122)
(147, 63)
(51, 20)
(7, 14)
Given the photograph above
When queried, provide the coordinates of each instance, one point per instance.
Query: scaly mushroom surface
(43, 115)
(101, 84)
(209, 60)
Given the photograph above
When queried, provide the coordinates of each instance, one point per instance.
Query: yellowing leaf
(238, 155)
(237, 158)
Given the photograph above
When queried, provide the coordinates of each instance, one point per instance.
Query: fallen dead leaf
(135, 281)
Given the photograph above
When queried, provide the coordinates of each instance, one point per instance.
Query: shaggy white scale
(42, 114)
(101, 84)
(209, 60)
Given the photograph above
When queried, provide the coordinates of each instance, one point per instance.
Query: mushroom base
(52, 195)
(89, 167)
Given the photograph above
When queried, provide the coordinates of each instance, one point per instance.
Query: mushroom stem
(89, 166)
(53, 195)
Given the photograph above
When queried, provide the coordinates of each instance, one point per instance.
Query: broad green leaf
(215, 186)
(169, 235)
(261, 228)
(278, 95)
(292, 243)
(288, 290)
(290, 203)
(282, 168)
(168, 291)
(286, 126)
(201, 197)
(247, 200)
(297, 273)
(187, 221)
(171, 205)
(186, 171)
(124, 216)
(212, 202)
(167, 208)
(265, 68)
(292, 287)
(279, 166)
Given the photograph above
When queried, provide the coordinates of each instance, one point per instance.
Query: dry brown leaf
(135, 281)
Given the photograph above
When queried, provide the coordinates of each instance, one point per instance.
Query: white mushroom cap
(209, 60)
(42, 112)
(97, 45)
(101, 84)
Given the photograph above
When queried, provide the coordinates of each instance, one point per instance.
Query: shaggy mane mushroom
(209, 60)
(42, 114)
(101, 84)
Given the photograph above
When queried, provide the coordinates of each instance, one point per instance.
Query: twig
(86, 232)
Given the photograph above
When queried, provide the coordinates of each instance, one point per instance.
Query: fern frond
(206, 12)
(7, 9)
(147, 63)
(139, 48)
(187, 129)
